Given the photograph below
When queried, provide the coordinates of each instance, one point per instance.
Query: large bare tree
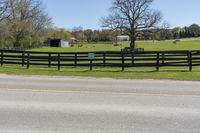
(132, 16)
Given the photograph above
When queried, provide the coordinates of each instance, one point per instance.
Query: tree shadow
(87, 70)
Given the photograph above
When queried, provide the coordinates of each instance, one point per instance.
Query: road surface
(38, 104)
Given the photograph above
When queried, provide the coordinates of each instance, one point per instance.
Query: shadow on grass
(38, 69)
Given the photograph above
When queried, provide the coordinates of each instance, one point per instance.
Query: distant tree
(132, 16)
(164, 31)
(194, 29)
(88, 33)
(106, 35)
(176, 32)
(77, 29)
(95, 36)
(60, 33)
(78, 33)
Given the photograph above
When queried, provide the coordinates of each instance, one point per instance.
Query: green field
(171, 73)
(187, 44)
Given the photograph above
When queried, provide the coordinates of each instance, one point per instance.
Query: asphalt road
(88, 105)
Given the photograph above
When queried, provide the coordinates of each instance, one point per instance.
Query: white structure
(64, 44)
(123, 38)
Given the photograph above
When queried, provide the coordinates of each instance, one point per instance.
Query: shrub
(80, 45)
(128, 49)
(72, 45)
(176, 41)
(116, 44)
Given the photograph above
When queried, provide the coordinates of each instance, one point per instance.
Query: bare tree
(132, 16)
(164, 31)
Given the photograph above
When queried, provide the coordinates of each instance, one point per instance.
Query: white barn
(64, 44)
(123, 38)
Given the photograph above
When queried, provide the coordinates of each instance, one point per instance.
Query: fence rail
(124, 60)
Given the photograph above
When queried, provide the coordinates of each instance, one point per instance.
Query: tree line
(163, 32)
(191, 31)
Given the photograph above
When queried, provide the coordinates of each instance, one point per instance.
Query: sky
(87, 13)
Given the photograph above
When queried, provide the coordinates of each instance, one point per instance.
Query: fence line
(124, 60)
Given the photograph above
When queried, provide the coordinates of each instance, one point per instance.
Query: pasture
(171, 73)
(184, 44)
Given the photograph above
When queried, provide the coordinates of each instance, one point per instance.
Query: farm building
(123, 38)
(73, 40)
(57, 43)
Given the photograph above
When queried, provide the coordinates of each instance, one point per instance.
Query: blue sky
(87, 13)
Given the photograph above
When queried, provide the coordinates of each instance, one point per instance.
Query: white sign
(91, 56)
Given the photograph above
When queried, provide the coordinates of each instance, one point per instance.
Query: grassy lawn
(186, 44)
(172, 73)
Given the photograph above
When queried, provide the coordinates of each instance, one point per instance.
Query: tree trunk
(18, 39)
(133, 39)
(16, 44)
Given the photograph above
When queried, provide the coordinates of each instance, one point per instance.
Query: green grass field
(171, 73)
(187, 44)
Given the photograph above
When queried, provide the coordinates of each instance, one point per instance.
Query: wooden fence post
(158, 61)
(190, 60)
(75, 59)
(133, 58)
(2, 58)
(28, 60)
(163, 58)
(91, 65)
(49, 60)
(58, 61)
(23, 59)
(123, 67)
(104, 59)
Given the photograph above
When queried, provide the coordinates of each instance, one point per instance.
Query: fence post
(2, 58)
(190, 60)
(163, 58)
(133, 58)
(122, 61)
(104, 59)
(49, 60)
(158, 61)
(91, 64)
(28, 60)
(75, 61)
(58, 61)
(23, 59)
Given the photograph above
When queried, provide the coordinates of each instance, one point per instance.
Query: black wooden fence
(124, 60)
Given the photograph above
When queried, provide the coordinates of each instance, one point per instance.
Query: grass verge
(169, 73)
